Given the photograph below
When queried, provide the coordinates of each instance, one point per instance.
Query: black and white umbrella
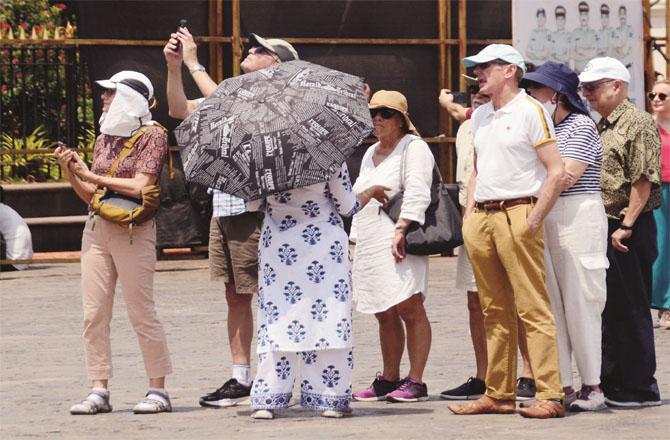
(275, 129)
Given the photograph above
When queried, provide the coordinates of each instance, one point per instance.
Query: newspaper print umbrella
(284, 127)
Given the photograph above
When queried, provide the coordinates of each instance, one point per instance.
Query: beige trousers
(107, 255)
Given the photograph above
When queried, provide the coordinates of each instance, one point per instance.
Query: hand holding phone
(182, 24)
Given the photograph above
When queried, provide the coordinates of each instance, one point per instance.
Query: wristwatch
(624, 227)
(197, 68)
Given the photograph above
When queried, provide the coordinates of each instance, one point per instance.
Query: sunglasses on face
(661, 96)
(385, 113)
(484, 66)
(590, 87)
(260, 50)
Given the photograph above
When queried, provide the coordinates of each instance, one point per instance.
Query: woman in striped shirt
(575, 235)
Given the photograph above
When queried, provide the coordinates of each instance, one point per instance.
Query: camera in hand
(460, 98)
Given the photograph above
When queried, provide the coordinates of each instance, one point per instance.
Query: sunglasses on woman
(385, 113)
(652, 96)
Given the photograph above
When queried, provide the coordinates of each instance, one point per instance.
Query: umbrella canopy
(284, 127)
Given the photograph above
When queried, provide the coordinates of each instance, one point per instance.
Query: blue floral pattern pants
(325, 379)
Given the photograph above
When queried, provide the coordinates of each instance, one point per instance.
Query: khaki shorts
(233, 250)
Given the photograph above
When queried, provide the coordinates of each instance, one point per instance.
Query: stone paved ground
(42, 371)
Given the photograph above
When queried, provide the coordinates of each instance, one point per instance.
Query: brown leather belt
(501, 205)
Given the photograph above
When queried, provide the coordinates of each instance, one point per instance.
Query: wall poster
(574, 31)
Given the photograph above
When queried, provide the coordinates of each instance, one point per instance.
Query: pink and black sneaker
(377, 391)
(409, 391)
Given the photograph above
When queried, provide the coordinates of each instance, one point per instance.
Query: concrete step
(43, 199)
(52, 234)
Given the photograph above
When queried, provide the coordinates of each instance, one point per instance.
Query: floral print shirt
(146, 157)
(632, 150)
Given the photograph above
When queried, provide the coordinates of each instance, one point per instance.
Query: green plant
(31, 165)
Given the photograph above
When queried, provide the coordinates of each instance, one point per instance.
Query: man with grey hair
(630, 181)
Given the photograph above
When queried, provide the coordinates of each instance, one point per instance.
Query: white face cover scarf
(128, 112)
(551, 105)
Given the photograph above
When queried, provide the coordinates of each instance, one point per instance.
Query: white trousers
(575, 263)
(325, 374)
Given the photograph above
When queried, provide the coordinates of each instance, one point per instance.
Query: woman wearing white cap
(107, 254)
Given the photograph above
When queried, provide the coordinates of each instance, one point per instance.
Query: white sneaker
(263, 414)
(588, 400)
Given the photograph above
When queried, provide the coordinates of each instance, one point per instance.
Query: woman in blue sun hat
(575, 235)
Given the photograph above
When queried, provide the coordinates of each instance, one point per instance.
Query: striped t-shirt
(577, 138)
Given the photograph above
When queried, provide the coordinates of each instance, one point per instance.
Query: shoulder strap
(406, 140)
(436, 169)
(127, 148)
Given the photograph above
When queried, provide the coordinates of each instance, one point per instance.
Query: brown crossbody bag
(120, 208)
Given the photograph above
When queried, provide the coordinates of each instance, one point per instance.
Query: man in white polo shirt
(517, 178)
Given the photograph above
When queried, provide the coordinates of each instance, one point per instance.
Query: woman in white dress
(388, 282)
(304, 297)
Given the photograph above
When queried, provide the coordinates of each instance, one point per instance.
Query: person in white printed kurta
(304, 304)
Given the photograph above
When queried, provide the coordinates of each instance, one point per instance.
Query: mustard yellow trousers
(508, 262)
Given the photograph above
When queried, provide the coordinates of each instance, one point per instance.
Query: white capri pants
(575, 246)
(326, 379)
(465, 277)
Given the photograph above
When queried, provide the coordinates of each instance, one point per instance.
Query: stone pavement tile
(42, 370)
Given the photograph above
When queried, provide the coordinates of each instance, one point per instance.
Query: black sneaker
(231, 393)
(473, 389)
(525, 388)
(627, 399)
(378, 390)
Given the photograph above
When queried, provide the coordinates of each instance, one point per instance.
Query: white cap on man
(604, 68)
(492, 52)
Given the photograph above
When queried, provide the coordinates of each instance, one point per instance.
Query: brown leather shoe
(543, 409)
(484, 405)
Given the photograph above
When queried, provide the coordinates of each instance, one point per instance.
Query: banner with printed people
(574, 31)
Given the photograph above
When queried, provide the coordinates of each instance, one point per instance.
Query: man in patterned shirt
(630, 183)
(234, 232)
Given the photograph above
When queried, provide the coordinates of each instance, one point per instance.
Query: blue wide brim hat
(560, 78)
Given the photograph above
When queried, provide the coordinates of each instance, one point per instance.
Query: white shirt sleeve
(419, 163)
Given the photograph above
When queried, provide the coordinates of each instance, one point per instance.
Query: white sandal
(263, 414)
(155, 402)
(96, 402)
(335, 414)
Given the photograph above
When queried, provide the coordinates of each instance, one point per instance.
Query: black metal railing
(45, 97)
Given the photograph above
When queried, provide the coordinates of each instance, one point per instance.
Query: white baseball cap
(492, 52)
(135, 80)
(604, 68)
